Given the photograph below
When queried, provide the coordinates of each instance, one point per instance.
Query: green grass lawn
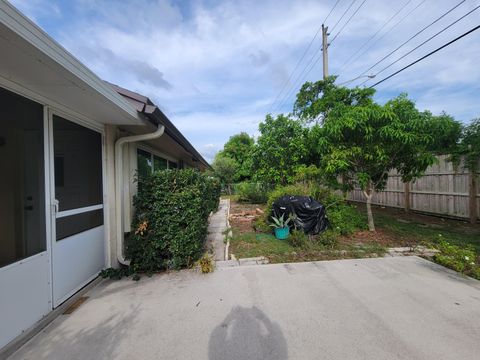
(426, 229)
(251, 245)
(245, 245)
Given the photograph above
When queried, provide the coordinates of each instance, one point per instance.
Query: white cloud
(38, 9)
(215, 66)
(210, 150)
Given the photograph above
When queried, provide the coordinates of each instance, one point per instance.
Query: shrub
(171, 219)
(260, 225)
(116, 274)
(461, 259)
(344, 218)
(328, 239)
(252, 192)
(298, 239)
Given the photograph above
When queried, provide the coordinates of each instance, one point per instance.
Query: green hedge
(171, 219)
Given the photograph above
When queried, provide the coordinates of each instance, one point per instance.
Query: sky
(216, 68)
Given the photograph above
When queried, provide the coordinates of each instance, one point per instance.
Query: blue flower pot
(282, 233)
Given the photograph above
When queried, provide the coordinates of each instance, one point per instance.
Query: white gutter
(119, 184)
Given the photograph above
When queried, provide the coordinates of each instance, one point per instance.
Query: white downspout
(119, 184)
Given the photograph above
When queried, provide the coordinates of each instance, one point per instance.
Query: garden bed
(251, 240)
(394, 229)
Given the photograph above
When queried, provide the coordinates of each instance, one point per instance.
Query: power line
(426, 56)
(388, 32)
(303, 56)
(423, 43)
(305, 72)
(412, 37)
(295, 68)
(330, 13)
(301, 77)
(374, 35)
(344, 13)
(344, 25)
(294, 84)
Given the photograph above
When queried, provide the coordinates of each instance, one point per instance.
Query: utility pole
(325, 50)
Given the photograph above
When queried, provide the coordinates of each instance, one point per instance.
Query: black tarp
(308, 214)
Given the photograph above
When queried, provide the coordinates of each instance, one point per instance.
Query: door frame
(40, 299)
(48, 111)
(49, 211)
(50, 157)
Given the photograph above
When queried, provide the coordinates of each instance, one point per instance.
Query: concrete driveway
(390, 308)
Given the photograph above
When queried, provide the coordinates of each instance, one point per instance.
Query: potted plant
(280, 227)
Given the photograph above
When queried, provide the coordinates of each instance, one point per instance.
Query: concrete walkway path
(373, 309)
(216, 230)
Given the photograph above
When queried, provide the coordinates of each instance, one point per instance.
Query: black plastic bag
(308, 214)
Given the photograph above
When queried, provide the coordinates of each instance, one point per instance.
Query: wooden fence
(443, 190)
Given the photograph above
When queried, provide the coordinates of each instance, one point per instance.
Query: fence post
(472, 195)
(407, 196)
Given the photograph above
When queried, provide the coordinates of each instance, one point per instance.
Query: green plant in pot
(280, 226)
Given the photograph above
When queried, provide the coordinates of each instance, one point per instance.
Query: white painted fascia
(24, 27)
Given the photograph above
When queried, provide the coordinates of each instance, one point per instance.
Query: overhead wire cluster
(358, 53)
(412, 37)
(288, 80)
(300, 72)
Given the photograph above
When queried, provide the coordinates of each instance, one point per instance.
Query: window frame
(52, 113)
(44, 217)
(156, 153)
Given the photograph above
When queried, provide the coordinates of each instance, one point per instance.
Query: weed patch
(206, 264)
(461, 259)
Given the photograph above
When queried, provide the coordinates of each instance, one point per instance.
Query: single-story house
(70, 146)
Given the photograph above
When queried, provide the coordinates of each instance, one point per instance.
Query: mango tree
(360, 144)
(280, 149)
(239, 148)
(224, 169)
(316, 100)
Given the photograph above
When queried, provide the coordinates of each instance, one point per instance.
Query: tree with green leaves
(279, 150)
(360, 144)
(469, 146)
(445, 132)
(239, 148)
(224, 169)
(316, 100)
(310, 174)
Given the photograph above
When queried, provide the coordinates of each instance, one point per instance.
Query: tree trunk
(369, 194)
(371, 225)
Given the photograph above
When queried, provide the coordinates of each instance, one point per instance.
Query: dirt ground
(381, 237)
(243, 215)
(430, 221)
(394, 227)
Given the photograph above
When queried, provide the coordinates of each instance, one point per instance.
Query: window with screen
(78, 177)
(22, 179)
